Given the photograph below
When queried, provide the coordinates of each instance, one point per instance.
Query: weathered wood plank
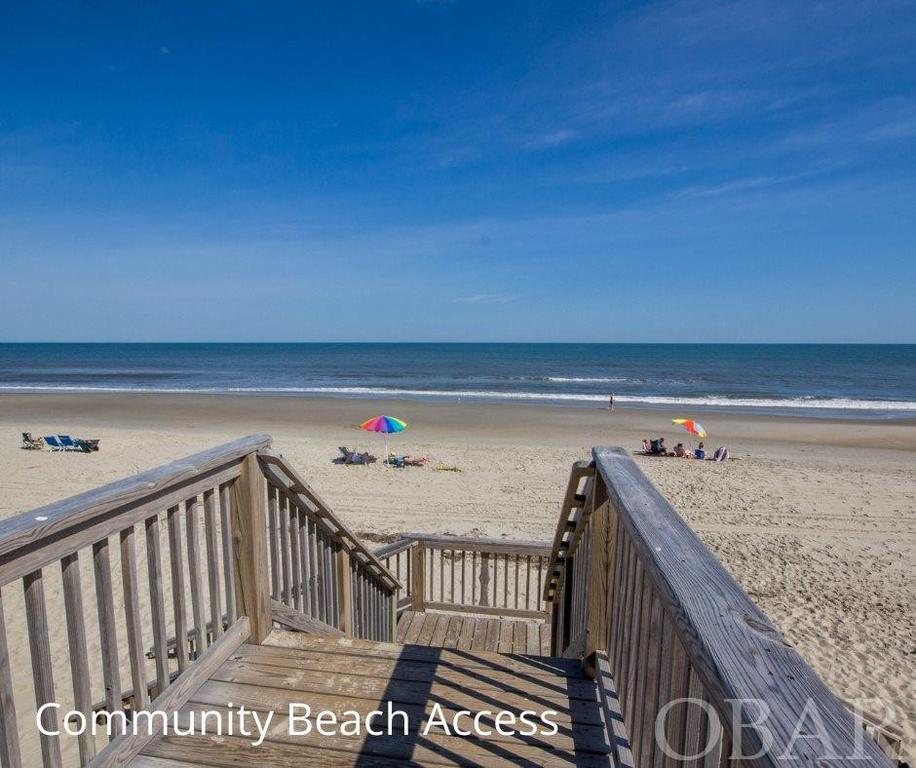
(23, 532)
(344, 592)
(273, 542)
(225, 505)
(300, 622)
(37, 622)
(485, 609)
(452, 632)
(466, 635)
(295, 562)
(590, 736)
(213, 569)
(286, 574)
(418, 577)
(479, 641)
(678, 688)
(528, 666)
(9, 731)
(249, 545)
(77, 646)
(123, 748)
(179, 596)
(108, 637)
(294, 665)
(51, 550)
(613, 715)
(722, 630)
(132, 623)
(157, 605)
(339, 683)
(195, 578)
(435, 748)
(237, 751)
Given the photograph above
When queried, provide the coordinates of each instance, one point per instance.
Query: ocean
(875, 381)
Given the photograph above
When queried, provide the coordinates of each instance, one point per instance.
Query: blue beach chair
(67, 442)
(53, 443)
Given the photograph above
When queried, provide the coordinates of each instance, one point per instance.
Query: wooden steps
(344, 674)
(474, 633)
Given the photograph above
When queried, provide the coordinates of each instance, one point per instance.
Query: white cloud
(484, 298)
(739, 185)
(549, 140)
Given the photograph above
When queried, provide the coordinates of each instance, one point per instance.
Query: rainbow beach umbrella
(386, 425)
(693, 427)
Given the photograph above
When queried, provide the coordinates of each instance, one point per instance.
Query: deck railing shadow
(482, 693)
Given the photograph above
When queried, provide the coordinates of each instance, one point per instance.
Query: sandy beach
(816, 518)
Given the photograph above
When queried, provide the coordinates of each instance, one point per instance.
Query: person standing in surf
(610, 402)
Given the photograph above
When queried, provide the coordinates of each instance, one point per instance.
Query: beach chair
(53, 443)
(68, 444)
(354, 457)
(30, 443)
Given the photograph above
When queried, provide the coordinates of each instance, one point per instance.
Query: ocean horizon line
(476, 343)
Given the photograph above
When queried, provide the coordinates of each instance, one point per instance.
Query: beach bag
(721, 453)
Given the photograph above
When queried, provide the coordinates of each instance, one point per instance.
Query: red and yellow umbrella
(693, 427)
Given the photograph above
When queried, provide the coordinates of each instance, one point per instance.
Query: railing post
(249, 541)
(600, 576)
(345, 592)
(485, 578)
(393, 614)
(418, 577)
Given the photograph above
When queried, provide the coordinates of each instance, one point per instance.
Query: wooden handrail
(473, 543)
(333, 524)
(678, 626)
(81, 518)
(570, 519)
(469, 574)
(395, 547)
(202, 524)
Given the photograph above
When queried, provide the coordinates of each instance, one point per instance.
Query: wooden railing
(317, 566)
(454, 573)
(698, 674)
(183, 570)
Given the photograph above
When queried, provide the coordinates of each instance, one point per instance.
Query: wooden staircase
(343, 675)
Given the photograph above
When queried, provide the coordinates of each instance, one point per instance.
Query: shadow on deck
(474, 633)
(431, 686)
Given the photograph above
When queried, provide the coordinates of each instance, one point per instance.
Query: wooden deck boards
(342, 674)
(474, 633)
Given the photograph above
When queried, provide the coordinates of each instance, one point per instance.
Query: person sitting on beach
(647, 445)
(699, 452)
(662, 448)
(680, 451)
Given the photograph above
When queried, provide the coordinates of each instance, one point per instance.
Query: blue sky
(452, 170)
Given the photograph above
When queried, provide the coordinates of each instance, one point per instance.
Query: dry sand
(817, 518)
